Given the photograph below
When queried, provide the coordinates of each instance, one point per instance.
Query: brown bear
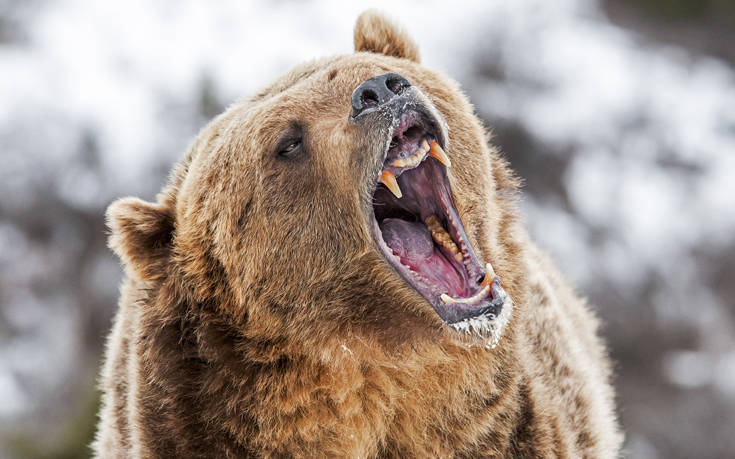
(336, 268)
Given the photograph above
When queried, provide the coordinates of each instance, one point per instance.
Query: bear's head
(356, 198)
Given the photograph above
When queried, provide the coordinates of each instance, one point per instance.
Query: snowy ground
(627, 147)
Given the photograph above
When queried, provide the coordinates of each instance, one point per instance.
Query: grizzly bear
(337, 268)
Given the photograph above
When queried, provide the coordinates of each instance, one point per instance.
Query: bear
(337, 268)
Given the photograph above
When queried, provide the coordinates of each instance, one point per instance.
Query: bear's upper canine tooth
(438, 153)
(388, 179)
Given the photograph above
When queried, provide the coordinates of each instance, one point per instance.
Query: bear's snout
(376, 91)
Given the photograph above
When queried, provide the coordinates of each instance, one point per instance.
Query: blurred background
(619, 115)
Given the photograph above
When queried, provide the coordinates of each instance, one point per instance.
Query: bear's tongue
(413, 243)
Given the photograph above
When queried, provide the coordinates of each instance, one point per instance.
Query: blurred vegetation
(700, 26)
(71, 442)
(687, 10)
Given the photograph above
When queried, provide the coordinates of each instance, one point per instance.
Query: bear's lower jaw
(418, 231)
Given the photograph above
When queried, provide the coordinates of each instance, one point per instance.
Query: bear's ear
(141, 235)
(374, 33)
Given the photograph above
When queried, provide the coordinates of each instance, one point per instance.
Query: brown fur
(259, 319)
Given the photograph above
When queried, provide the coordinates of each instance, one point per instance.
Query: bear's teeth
(388, 179)
(489, 275)
(415, 158)
(442, 237)
(438, 153)
(446, 299)
(486, 284)
(425, 146)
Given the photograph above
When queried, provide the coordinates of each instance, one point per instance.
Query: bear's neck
(425, 404)
(349, 400)
(356, 404)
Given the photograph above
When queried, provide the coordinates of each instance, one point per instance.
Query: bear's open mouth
(419, 232)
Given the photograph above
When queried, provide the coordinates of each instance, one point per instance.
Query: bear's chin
(418, 230)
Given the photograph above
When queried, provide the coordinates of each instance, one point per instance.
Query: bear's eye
(290, 148)
(291, 144)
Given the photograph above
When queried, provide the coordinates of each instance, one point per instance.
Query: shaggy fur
(258, 318)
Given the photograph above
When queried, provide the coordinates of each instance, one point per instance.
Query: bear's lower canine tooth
(388, 179)
(489, 275)
(446, 299)
(438, 153)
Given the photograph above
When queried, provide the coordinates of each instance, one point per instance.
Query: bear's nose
(376, 91)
